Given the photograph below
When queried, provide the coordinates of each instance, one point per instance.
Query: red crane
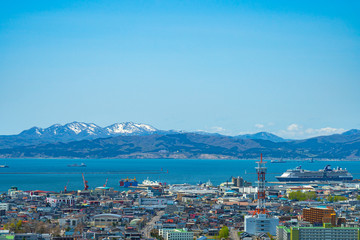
(105, 182)
(86, 186)
(65, 188)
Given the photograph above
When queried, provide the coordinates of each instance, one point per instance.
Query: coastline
(172, 158)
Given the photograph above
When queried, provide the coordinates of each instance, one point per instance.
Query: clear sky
(287, 67)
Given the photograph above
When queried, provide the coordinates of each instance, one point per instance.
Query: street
(234, 234)
(150, 225)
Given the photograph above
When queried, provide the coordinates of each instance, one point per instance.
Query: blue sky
(287, 67)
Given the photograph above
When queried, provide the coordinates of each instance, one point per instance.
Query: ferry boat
(327, 174)
(149, 183)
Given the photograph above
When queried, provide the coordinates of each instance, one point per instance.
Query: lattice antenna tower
(261, 172)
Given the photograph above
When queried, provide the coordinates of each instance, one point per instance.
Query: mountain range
(74, 131)
(133, 140)
(77, 131)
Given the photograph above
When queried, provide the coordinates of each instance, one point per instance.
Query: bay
(54, 174)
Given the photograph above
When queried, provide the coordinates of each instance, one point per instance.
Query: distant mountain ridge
(88, 130)
(75, 131)
(137, 140)
(259, 135)
(262, 136)
(192, 145)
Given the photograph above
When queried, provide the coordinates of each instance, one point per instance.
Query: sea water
(54, 174)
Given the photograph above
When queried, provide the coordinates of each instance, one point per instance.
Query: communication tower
(260, 222)
(261, 172)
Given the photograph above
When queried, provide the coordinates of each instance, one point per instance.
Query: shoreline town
(322, 204)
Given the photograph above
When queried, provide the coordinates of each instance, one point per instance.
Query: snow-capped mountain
(79, 131)
(65, 131)
(129, 128)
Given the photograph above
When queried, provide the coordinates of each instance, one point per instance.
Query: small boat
(77, 165)
(4, 166)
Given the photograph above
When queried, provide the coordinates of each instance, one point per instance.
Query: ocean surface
(54, 174)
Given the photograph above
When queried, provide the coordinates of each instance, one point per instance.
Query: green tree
(336, 198)
(224, 232)
(302, 196)
(19, 224)
(12, 227)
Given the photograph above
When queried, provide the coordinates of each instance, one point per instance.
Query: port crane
(86, 186)
(65, 188)
(106, 182)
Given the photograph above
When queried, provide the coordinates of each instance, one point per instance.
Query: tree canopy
(224, 232)
(302, 196)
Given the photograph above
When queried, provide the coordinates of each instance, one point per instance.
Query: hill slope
(192, 145)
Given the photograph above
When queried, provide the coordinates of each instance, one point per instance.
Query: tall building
(260, 222)
(320, 215)
(240, 182)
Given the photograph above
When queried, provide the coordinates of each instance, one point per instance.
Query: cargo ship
(327, 174)
(128, 183)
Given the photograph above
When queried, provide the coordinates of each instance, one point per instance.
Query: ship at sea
(128, 182)
(278, 161)
(327, 174)
(149, 183)
(4, 166)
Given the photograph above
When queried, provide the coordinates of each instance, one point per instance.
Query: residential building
(327, 232)
(261, 223)
(176, 234)
(320, 215)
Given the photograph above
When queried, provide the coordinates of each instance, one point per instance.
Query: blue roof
(69, 233)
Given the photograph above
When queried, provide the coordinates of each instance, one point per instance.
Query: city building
(106, 219)
(327, 232)
(320, 215)
(176, 234)
(60, 199)
(261, 223)
(283, 233)
(240, 182)
(4, 206)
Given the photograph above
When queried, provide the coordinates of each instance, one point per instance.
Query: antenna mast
(261, 172)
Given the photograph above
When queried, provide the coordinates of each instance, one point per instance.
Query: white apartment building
(176, 234)
(261, 223)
